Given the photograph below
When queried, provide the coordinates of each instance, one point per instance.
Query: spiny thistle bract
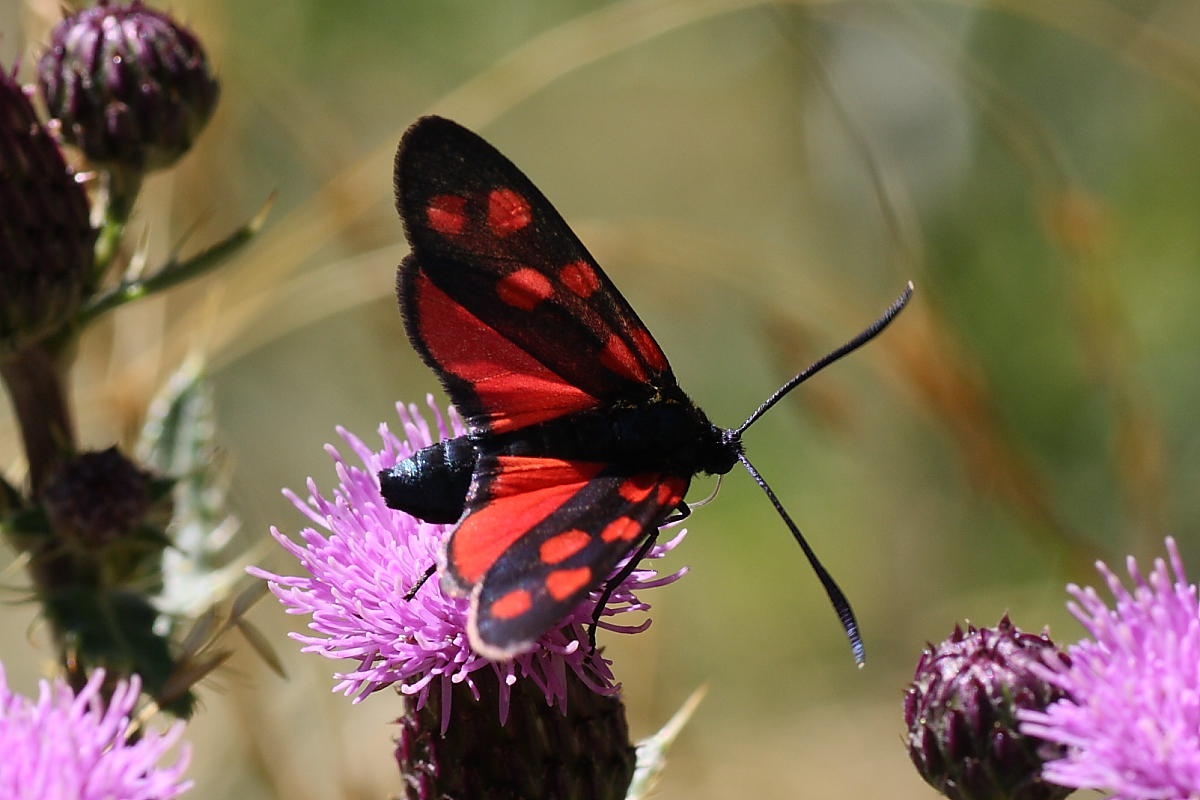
(580, 751)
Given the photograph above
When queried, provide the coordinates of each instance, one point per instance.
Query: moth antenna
(867, 335)
(840, 604)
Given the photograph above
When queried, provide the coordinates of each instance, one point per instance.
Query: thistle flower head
(1130, 720)
(960, 712)
(368, 556)
(582, 753)
(75, 746)
(130, 86)
(46, 238)
(96, 497)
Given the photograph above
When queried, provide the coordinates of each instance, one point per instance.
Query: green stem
(174, 271)
(123, 187)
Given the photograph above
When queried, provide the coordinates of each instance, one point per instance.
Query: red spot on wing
(637, 488)
(523, 493)
(524, 289)
(562, 583)
(559, 548)
(670, 492)
(623, 529)
(580, 278)
(446, 214)
(620, 359)
(507, 212)
(649, 349)
(514, 388)
(513, 604)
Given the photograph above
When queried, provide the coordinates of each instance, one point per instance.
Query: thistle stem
(123, 187)
(35, 382)
(174, 271)
(34, 378)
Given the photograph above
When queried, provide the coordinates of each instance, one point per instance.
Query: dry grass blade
(957, 399)
(353, 195)
(898, 214)
(1077, 224)
(262, 646)
(189, 673)
(202, 631)
(250, 594)
(1107, 26)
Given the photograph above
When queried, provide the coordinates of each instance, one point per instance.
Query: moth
(579, 441)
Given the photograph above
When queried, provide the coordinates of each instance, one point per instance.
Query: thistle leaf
(179, 440)
(652, 751)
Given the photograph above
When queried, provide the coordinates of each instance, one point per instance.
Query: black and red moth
(580, 443)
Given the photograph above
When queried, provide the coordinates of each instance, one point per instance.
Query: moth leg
(682, 512)
(611, 585)
(411, 593)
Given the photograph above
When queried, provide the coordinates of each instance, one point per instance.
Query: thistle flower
(1130, 720)
(960, 712)
(371, 555)
(46, 239)
(75, 746)
(131, 87)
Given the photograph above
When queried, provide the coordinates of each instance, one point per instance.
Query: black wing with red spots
(523, 327)
(493, 263)
(539, 534)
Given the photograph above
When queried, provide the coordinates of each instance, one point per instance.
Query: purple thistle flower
(1131, 719)
(369, 556)
(73, 746)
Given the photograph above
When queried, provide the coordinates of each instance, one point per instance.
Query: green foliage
(179, 439)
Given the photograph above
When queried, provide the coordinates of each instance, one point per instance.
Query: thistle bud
(46, 239)
(581, 751)
(960, 712)
(131, 87)
(96, 498)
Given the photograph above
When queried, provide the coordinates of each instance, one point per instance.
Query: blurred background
(759, 179)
